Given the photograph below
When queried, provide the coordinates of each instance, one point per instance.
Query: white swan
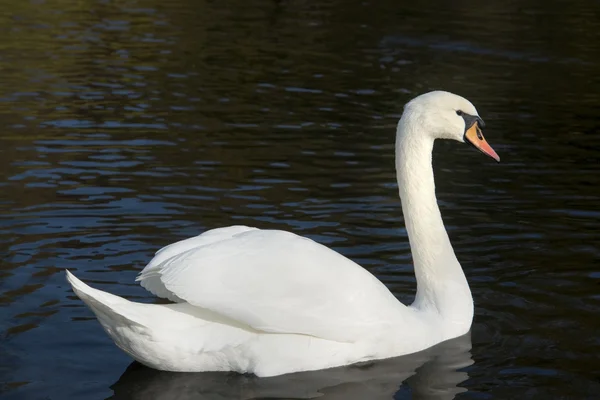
(270, 302)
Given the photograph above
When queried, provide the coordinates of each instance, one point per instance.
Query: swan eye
(459, 113)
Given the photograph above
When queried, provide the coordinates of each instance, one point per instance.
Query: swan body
(270, 302)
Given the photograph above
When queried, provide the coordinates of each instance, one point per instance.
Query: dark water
(129, 125)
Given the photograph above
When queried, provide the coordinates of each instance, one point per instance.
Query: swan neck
(441, 283)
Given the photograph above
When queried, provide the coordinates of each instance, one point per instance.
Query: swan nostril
(479, 135)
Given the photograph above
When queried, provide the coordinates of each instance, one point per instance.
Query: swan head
(444, 115)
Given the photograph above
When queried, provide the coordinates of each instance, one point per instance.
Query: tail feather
(171, 337)
(109, 309)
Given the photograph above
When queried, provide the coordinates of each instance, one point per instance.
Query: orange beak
(474, 136)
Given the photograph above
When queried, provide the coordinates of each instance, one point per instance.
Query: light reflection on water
(128, 126)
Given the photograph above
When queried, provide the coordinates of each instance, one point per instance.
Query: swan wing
(273, 281)
(150, 276)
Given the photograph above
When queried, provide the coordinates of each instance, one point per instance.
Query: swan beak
(474, 137)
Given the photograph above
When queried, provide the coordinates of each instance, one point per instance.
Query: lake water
(129, 125)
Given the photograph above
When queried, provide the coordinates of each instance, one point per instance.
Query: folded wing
(273, 281)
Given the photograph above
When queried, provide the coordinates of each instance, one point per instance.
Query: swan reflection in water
(435, 373)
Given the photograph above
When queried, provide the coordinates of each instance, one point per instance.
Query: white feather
(278, 282)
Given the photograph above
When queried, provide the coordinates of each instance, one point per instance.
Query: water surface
(130, 125)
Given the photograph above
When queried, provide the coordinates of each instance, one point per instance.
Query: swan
(269, 302)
